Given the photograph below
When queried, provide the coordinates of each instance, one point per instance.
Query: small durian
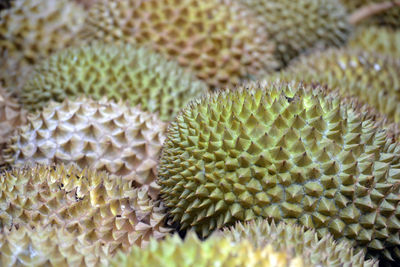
(101, 208)
(119, 72)
(306, 243)
(285, 152)
(30, 30)
(375, 39)
(215, 251)
(303, 25)
(48, 246)
(221, 41)
(102, 135)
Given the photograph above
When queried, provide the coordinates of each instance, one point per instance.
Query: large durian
(306, 243)
(125, 72)
(48, 246)
(31, 30)
(94, 205)
(220, 40)
(103, 135)
(215, 251)
(285, 152)
(299, 26)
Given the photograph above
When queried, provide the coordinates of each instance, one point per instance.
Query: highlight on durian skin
(304, 242)
(289, 153)
(96, 206)
(31, 30)
(221, 41)
(120, 72)
(300, 26)
(48, 246)
(215, 251)
(103, 135)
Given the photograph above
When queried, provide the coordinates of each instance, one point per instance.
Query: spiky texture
(219, 40)
(288, 153)
(377, 39)
(216, 251)
(98, 134)
(31, 30)
(373, 78)
(101, 208)
(390, 17)
(48, 246)
(11, 116)
(134, 74)
(306, 243)
(299, 26)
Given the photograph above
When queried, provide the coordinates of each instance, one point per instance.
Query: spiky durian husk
(372, 78)
(283, 152)
(299, 26)
(125, 72)
(306, 243)
(100, 207)
(377, 39)
(103, 135)
(48, 246)
(215, 251)
(220, 40)
(31, 30)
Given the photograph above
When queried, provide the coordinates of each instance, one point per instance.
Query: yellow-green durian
(215, 251)
(126, 72)
(284, 152)
(300, 26)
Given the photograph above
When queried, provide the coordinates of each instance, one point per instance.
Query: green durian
(119, 72)
(286, 152)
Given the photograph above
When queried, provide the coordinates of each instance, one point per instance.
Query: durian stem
(367, 11)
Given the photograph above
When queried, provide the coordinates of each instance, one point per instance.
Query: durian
(118, 72)
(31, 30)
(306, 243)
(94, 205)
(220, 40)
(300, 26)
(287, 153)
(48, 246)
(377, 39)
(215, 251)
(103, 135)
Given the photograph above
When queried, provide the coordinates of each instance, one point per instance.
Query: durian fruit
(11, 116)
(220, 40)
(48, 246)
(285, 152)
(118, 72)
(377, 39)
(102, 135)
(31, 30)
(94, 205)
(371, 77)
(306, 243)
(299, 26)
(215, 251)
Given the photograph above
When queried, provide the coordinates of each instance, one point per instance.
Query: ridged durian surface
(31, 30)
(283, 152)
(96, 206)
(128, 73)
(215, 251)
(305, 243)
(220, 40)
(377, 39)
(299, 26)
(103, 135)
(48, 246)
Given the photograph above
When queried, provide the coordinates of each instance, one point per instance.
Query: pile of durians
(200, 133)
